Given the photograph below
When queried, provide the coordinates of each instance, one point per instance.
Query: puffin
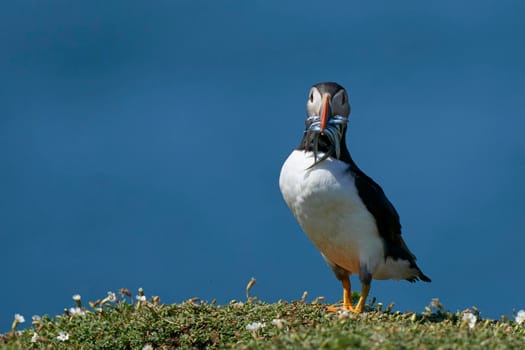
(344, 213)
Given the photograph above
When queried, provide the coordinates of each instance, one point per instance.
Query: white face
(339, 103)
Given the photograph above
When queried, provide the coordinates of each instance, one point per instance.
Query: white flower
(62, 336)
(254, 326)
(35, 337)
(76, 311)
(77, 300)
(520, 317)
(147, 347)
(36, 318)
(112, 297)
(343, 313)
(470, 318)
(141, 297)
(436, 304)
(19, 318)
(278, 322)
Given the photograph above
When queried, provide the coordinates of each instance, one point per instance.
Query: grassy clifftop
(140, 323)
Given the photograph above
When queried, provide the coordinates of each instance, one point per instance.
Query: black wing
(386, 216)
(387, 220)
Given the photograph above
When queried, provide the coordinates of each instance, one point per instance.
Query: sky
(141, 144)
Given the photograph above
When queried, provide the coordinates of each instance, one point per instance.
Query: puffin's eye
(343, 99)
(311, 97)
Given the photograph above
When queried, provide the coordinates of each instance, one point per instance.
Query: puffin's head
(327, 111)
(327, 100)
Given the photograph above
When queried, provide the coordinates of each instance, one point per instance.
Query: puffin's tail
(424, 277)
(420, 277)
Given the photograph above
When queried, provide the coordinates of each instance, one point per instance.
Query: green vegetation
(137, 323)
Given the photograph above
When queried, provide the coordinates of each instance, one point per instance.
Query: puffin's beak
(326, 111)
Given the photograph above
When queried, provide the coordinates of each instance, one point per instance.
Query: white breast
(325, 202)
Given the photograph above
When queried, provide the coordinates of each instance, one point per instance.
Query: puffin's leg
(347, 295)
(365, 288)
(366, 280)
(343, 276)
(347, 298)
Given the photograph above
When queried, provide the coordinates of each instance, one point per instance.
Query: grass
(129, 323)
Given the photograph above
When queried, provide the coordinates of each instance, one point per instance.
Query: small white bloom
(76, 297)
(279, 322)
(147, 347)
(19, 318)
(35, 337)
(112, 297)
(470, 318)
(62, 336)
(76, 311)
(141, 297)
(36, 318)
(343, 314)
(436, 304)
(255, 326)
(520, 317)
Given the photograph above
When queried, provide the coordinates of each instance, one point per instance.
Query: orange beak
(326, 111)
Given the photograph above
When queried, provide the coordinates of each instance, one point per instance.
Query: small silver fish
(334, 132)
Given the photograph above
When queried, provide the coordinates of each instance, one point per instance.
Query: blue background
(141, 144)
